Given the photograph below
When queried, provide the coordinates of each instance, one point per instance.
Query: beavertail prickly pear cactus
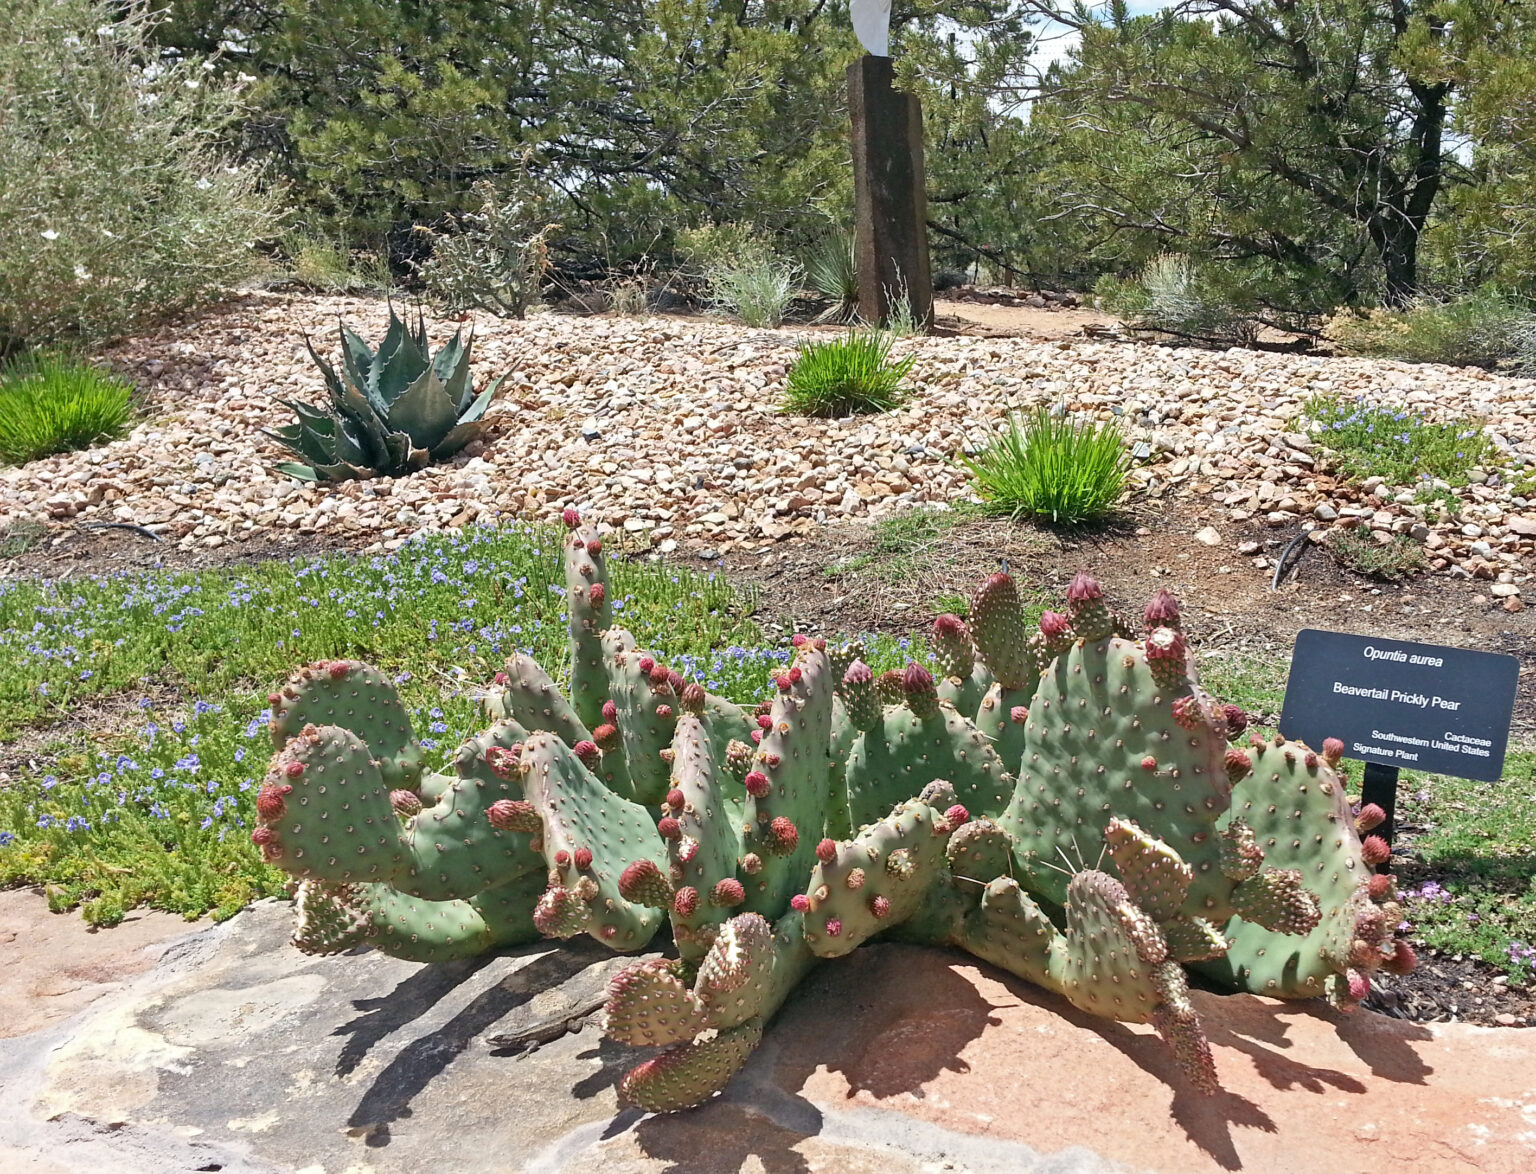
(1091, 828)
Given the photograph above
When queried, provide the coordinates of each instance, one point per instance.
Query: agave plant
(392, 411)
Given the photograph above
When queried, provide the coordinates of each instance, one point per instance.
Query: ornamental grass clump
(1055, 468)
(846, 376)
(51, 403)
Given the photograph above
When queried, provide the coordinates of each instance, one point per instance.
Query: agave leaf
(302, 472)
(389, 356)
(357, 358)
(424, 412)
(477, 409)
(452, 367)
(333, 383)
(356, 407)
(404, 368)
(421, 330)
(398, 447)
(305, 442)
(352, 445)
(457, 439)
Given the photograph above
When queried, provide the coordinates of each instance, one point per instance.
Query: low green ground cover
(1396, 444)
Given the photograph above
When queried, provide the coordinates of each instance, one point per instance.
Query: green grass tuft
(1053, 468)
(53, 403)
(846, 376)
(1358, 549)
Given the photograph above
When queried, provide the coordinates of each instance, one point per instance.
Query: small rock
(1503, 590)
(1208, 536)
(1249, 547)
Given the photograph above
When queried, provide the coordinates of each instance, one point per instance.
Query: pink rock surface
(1307, 1090)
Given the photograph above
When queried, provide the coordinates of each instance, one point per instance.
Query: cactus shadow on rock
(380, 1018)
(389, 1095)
(1380, 1041)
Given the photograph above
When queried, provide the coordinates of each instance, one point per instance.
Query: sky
(1055, 42)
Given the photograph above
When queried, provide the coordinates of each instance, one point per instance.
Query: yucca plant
(845, 376)
(1066, 471)
(392, 411)
(52, 403)
(833, 273)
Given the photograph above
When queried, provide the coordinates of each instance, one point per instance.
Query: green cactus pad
(646, 715)
(707, 848)
(853, 895)
(1105, 741)
(996, 721)
(590, 611)
(1001, 634)
(689, 1075)
(455, 848)
(649, 1005)
(325, 813)
(894, 761)
(980, 850)
(357, 697)
(328, 919)
(783, 824)
(584, 821)
(1296, 806)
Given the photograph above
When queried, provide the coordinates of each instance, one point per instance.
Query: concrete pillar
(890, 201)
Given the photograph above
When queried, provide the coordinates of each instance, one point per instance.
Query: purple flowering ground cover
(156, 808)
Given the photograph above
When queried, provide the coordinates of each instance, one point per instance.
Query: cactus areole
(1064, 802)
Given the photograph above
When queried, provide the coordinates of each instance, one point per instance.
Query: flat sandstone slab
(237, 1053)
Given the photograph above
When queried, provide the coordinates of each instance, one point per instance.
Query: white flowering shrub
(117, 202)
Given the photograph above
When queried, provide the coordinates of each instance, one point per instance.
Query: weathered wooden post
(890, 201)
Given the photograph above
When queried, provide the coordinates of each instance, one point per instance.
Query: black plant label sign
(1415, 706)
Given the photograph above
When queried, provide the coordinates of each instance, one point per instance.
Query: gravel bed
(668, 429)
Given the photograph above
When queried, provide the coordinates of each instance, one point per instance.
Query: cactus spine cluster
(1066, 803)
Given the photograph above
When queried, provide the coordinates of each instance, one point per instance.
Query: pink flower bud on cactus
(405, 803)
(880, 906)
(1165, 644)
(597, 593)
(570, 517)
(587, 752)
(338, 669)
(1162, 610)
(610, 712)
(595, 547)
(1333, 750)
(948, 626)
(764, 722)
(263, 836)
(1237, 719)
(800, 903)
(693, 697)
(1186, 711)
(293, 769)
(1359, 985)
(1375, 851)
(269, 800)
(685, 902)
(1083, 588)
(513, 815)
(1380, 886)
(785, 834)
(782, 682)
(645, 664)
(798, 639)
(675, 681)
(834, 927)
(1238, 764)
(757, 737)
(757, 784)
(501, 679)
(687, 849)
(669, 828)
(956, 816)
(675, 799)
(664, 712)
(582, 858)
(858, 673)
(1018, 715)
(606, 736)
(1371, 816)
(771, 760)
(916, 679)
(826, 851)
(727, 892)
(751, 864)
(1403, 958)
(562, 858)
(1149, 763)
(1054, 625)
